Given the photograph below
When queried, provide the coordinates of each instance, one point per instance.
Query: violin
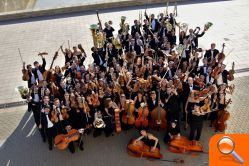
(140, 149)
(158, 117)
(64, 113)
(25, 76)
(217, 70)
(95, 99)
(54, 117)
(231, 73)
(142, 120)
(222, 116)
(181, 144)
(128, 116)
(62, 141)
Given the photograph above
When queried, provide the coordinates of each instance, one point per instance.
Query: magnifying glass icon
(226, 146)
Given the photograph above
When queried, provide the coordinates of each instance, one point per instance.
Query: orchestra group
(149, 77)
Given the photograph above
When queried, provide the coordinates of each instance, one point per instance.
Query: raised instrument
(141, 150)
(142, 120)
(158, 117)
(207, 25)
(231, 73)
(181, 144)
(100, 24)
(61, 141)
(93, 29)
(23, 91)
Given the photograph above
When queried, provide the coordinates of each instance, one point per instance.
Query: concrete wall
(62, 10)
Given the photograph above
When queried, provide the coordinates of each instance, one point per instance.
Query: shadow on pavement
(25, 148)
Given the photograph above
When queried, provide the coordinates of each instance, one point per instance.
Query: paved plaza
(19, 139)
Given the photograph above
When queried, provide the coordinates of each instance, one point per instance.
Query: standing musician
(149, 140)
(196, 123)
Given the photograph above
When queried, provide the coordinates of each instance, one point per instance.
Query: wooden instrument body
(117, 120)
(61, 141)
(142, 120)
(141, 150)
(128, 115)
(220, 123)
(181, 144)
(25, 76)
(158, 118)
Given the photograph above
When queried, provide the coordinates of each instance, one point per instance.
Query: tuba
(122, 24)
(93, 29)
(117, 43)
(168, 26)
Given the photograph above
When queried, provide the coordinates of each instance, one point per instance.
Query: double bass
(140, 149)
(158, 116)
(181, 144)
(222, 116)
(143, 113)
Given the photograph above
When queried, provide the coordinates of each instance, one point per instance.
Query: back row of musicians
(150, 72)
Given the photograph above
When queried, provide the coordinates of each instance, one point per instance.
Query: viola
(181, 144)
(215, 73)
(158, 117)
(64, 113)
(142, 120)
(140, 149)
(128, 116)
(61, 141)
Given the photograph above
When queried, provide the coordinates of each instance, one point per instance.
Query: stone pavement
(23, 145)
(48, 33)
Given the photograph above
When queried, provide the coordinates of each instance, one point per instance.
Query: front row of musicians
(56, 118)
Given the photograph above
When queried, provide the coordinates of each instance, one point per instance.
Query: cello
(61, 141)
(158, 116)
(222, 116)
(142, 120)
(128, 116)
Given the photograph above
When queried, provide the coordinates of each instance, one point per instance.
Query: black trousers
(79, 143)
(50, 134)
(195, 128)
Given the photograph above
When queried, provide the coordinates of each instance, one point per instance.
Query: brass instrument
(168, 26)
(93, 29)
(207, 25)
(122, 24)
(117, 43)
(196, 31)
(24, 91)
(98, 121)
(183, 26)
(100, 37)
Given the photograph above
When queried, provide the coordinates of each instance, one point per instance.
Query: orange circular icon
(226, 145)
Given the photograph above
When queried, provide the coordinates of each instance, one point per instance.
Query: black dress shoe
(50, 147)
(44, 139)
(81, 148)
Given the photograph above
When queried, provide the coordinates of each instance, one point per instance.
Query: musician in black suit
(111, 52)
(155, 25)
(98, 58)
(152, 102)
(193, 38)
(47, 125)
(135, 28)
(211, 53)
(38, 69)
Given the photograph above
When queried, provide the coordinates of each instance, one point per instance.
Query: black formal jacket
(208, 54)
(134, 30)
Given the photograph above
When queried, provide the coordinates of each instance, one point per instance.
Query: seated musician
(149, 139)
(173, 130)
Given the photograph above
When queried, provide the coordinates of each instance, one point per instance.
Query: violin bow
(20, 55)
